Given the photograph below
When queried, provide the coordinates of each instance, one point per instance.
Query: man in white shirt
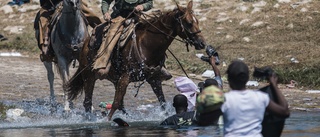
(243, 109)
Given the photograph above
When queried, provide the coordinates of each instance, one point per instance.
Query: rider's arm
(147, 5)
(105, 5)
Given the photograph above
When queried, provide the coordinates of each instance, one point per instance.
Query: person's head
(208, 105)
(208, 82)
(180, 103)
(188, 88)
(238, 75)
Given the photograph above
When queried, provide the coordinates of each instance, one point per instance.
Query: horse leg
(157, 89)
(64, 73)
(87, 103)
(50, 76)
(121, 88)
(88, 88)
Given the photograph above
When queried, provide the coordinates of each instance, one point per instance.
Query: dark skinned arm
(281, 108)
(214, 67)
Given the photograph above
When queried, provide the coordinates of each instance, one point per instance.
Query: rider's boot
(47, 54)
(106, 48)
(45, 45)
(165, 75)
(103, 72)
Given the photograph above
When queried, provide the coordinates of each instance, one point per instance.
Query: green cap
(131, 1)
(210, 99)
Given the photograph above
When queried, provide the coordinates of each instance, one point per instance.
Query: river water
(142, 123)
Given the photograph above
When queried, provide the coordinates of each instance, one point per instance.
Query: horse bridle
(186, 31)
(78, 7)
(189, 34)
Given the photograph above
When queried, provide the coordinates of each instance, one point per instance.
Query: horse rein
(186, 31)
(184, 41)
(187, 41)
(78, 7)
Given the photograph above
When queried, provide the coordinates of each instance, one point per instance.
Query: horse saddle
(57, 13)
(55, 16)
(127, 32)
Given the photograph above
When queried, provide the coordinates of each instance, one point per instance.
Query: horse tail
(75, 85)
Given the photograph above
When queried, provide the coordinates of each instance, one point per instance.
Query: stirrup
(46, 41)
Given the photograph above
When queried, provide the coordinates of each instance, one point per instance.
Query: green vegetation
(24, 42)
(307, 75)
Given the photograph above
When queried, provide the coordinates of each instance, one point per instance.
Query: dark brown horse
(140, 59)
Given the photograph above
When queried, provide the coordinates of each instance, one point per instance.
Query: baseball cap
(210, 99)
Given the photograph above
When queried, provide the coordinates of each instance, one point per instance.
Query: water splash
(38, 114)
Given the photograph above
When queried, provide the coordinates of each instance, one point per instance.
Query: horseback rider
(124, 7)
(122, 10)
(47, 10)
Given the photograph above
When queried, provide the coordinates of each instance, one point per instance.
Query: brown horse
(140, 59)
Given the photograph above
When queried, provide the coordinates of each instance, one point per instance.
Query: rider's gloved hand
(139, 8)
(107, 16)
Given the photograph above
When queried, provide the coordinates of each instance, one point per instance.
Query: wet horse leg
(50, 76)
(64, 73)
(121, 88)
(88, 88)
(87, 103)
(157, 89)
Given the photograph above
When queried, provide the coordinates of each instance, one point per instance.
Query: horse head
(72, 5)
(188, 27)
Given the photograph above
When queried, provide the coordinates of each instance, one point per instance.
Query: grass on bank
(24, 42)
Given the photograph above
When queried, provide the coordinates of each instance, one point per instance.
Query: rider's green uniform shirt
(126, 5)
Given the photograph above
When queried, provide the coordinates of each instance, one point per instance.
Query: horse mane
(155, 17)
